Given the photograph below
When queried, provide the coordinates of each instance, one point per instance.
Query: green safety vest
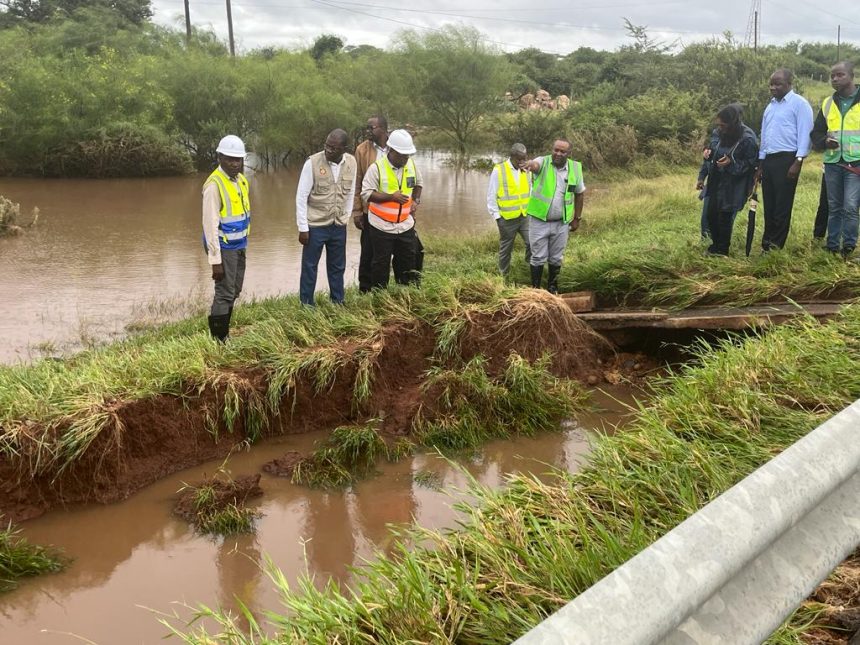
(844, 128)
(543, 189)
(513, 193)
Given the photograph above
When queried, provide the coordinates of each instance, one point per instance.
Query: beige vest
(327, 201)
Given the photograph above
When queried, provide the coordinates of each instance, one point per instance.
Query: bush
(609, 147)
(536, 129)
(121, 150)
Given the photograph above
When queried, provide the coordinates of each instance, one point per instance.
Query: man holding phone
(391, 190)
(554, 210)
(837, 132)
(785, 144)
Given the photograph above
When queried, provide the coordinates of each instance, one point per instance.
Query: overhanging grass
(20, 559)
(72, 401)
(526, 550)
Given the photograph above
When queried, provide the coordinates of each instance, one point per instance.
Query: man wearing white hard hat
(226, 223)
(391, 189)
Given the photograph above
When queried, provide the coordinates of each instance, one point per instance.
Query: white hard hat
(401, 141)
(231, 146)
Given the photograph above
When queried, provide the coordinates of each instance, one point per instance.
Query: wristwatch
(800, 159)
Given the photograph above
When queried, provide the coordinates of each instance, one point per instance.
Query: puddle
(134, 558)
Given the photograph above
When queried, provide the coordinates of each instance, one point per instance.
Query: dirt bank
(151, 438)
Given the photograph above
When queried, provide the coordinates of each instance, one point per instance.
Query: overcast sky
(551, 25)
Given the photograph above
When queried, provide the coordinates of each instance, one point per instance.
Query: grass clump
(428, 479)
(217, 506)
(526, 550)
(469, 406)
(20, 559)
(350, 453)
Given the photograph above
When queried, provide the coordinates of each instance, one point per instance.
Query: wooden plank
(579, 301)
(707, 317)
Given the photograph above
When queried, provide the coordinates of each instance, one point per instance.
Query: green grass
(210, 515)
(20, 559)
(527, 549)
(348, 454)
(471, 407)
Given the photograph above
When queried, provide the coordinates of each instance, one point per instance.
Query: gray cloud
(559, 27)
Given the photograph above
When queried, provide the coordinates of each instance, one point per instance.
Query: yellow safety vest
(844, 128)
(235, 222)
(512, 197)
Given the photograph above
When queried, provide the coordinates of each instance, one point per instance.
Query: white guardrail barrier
(733, 572)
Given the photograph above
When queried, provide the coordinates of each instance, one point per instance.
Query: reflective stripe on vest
(513, 193)
(392, 211)
(543, 189)
(844, 128)
(234, 223)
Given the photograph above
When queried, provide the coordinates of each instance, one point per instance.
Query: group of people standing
(379, 189)
(735, 162)
(539, 199)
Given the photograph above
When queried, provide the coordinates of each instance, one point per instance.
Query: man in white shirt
(507, 198)
(324, 202)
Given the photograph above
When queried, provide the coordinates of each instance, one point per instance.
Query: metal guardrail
(734, 571)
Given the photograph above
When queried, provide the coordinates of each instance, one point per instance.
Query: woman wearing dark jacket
(731, 169)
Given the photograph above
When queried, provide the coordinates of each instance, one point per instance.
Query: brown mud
(283, 466)
(151, 438)
(838, 601)
(223, 492)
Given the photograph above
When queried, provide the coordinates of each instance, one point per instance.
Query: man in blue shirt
(785, 143)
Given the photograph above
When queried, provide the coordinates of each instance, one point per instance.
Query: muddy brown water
(107, 254)
(134, 561)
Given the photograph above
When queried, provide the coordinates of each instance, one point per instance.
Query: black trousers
(365, 259)
(778, 194)
(392, 248)
(820, 228)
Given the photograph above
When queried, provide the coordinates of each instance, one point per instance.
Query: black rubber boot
(219, 326)
(552, 279)
(537, 274)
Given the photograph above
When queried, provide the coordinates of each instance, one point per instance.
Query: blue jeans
(843, 200)
(333, 238)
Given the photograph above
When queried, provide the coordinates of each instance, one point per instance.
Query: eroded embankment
(141, 441)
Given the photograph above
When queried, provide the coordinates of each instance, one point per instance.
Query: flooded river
(109, 254)
(134, 561)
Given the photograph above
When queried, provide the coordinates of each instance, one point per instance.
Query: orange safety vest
(392, 211)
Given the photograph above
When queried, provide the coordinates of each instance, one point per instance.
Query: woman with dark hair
(731, 171)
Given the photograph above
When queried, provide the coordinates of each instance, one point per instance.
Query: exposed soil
(283, 466)
(151, 438)
(225, 492)
(840, 597)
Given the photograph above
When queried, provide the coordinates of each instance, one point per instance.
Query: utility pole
(230, 29)
(753, 29)
(187, 24)
(755, 34)
(838, 43)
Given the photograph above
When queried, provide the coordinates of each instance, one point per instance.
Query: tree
(456, 77)
(38, 11)
(326, 45)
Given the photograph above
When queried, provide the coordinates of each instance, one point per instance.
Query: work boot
(219, 326)
(552, 280)
(537, 274)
